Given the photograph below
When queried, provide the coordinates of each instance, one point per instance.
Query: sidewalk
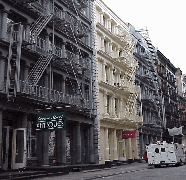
(100, 173)
(70, 172)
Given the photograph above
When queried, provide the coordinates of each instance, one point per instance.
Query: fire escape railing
(44, 94)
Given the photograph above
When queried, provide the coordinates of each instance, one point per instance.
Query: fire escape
(152, 61)
(74, 62)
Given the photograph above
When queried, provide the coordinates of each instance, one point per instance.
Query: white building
(116, 90)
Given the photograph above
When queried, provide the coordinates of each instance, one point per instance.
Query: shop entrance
(19, 148)
(6, 147)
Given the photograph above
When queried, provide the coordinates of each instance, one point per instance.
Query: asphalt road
(134, 171)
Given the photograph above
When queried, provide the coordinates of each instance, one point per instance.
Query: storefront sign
(51, 122)
(128, 134)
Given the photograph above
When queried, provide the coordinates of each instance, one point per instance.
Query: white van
(163, 153)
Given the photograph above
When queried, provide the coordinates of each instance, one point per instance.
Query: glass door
(19, 148)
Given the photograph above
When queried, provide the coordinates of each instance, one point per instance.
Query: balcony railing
(44, 94)
(133, 117)
(37, 44)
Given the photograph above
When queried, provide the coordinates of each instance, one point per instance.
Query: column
(91, 145)
(45, 156)
(115, 157)
(1, 124)
(129, 149)
(106, 144)
(40, 148)
(109, 24)
(142, 150)
(101, 18)
(2, 73)
(78, 144)
(103, 72)
(63, 146)
(120, 114)
(4, 25)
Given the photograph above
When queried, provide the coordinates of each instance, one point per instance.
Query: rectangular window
(116, 106)
(31, 139)
(104, 21)
(105, 46)
(107, 74)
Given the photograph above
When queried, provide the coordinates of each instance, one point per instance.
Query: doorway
(6, 147)
(19, 148)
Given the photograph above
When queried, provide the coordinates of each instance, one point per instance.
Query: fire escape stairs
(39, 24)
(43, 61)
(39, 68)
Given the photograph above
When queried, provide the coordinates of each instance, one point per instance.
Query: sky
(165, 21)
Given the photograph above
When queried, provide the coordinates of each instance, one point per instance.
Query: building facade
(116, 90)
(47, 65)
(147, 78)
(181, 88)
(168, 87)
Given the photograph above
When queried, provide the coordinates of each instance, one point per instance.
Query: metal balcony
(47, 95)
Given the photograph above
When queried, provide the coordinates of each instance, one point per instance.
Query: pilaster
(78, 145)
(91, 145)
(129, 149)
(106, 144)
(115, 145)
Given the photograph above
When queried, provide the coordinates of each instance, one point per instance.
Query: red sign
(128, 134)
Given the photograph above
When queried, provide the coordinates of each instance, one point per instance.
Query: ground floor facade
(148, 135)
(111, 144)
(21, 145)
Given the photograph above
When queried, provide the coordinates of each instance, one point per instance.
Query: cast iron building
(181, 89)
(116, 89)
(168, 86)
(46, 66)
(146, 76)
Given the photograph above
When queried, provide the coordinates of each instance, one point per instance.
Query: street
(134, 171)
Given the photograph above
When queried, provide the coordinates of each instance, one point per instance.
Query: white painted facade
(116, 90)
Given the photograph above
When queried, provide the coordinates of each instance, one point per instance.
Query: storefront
(23, 145)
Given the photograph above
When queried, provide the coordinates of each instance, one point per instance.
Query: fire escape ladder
(131, 101)
(9, 83)
(39, 25)
(157, 102)
(13, 68)
(38, 69)
(73, 64)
